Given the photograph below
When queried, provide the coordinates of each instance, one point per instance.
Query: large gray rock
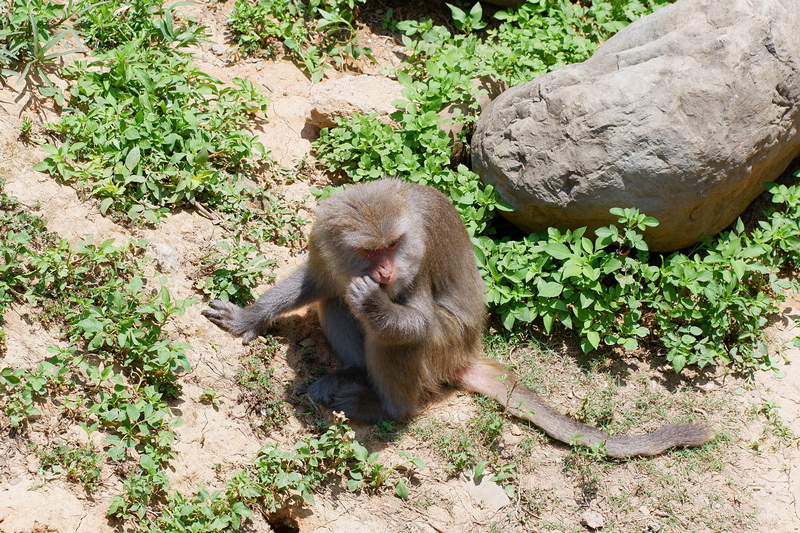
(683, 114)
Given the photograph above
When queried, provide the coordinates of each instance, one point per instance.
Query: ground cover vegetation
(146, 133)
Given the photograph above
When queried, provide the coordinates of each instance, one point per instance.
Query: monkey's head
(372, 230)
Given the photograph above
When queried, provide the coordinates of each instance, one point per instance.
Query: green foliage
(203, 512)
(21, 389)
(312, 32)
(22, 236)
(110, 320)
(566, 278)
(79, 463)
(147, 132)
(780, 230)
(711, 307)
(145, 484)
(280, 478)
(277, 478)
(233, 272)
(29, 32)
(112, 23)
(141, 420)
(535, 38)
(261, 390)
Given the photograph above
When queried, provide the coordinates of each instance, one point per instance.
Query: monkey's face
(371, 230)
(382, 266)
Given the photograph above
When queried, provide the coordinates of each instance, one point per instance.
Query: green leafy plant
(112, 23)
(261, 390)
(313, 32)
(144, 484)
(203, 512)
(211, 396)
(30, 30)
(286, 478)
(78, 463)
(233, 273)
(148, 132)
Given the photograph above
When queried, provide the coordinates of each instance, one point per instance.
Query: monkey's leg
(343, 331)
(348, 389)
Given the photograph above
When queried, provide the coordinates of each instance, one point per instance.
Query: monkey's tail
(496, 381)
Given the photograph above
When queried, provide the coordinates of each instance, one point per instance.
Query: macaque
(400, 300)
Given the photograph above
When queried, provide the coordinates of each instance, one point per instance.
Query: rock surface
(352, 94)
(684, 114)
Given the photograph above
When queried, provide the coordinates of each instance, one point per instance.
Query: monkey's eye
(367, 252)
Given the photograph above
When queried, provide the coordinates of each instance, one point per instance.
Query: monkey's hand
(234, 319)
(362, 293)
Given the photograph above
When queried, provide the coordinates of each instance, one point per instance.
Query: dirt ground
(748, 491)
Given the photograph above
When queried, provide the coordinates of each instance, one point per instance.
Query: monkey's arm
(393, 323)
(299, 289)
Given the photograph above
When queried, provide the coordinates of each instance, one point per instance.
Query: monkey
(402, 304)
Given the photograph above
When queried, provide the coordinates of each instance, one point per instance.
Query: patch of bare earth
(746, 489)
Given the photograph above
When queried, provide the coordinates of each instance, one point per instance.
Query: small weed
(234, 271)
(775, 425)
(114, 23)
(458, 447)
(261, 391)
(74, 462)
(145, 484)
(211, 397)
(313, 32)
(29, 32)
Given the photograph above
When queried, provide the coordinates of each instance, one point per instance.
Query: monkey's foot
(348, 390)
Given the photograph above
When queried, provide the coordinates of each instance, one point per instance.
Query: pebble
(593, 519)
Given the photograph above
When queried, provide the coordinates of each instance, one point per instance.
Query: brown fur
(400, 341)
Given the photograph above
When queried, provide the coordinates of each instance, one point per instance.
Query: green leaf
(105, 204)
(479, 468)
(594, 339)
(557, 250)
(401, 489)
(548, 289)
(132, 159)
(132, 412)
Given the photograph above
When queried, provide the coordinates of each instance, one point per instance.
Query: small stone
(644, 510)
(307, 343)
(593, 520)
(217, 49)
(489, 494)
(166, 257)
(461, 416)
